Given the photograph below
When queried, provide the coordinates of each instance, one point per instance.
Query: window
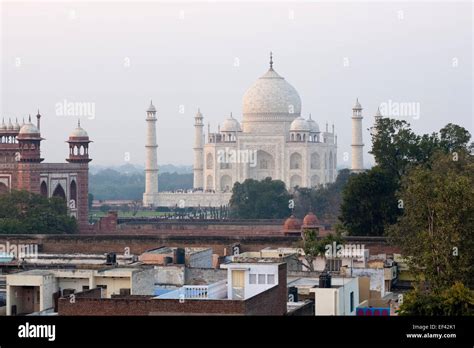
(270, 279)
(352, 301)
(85, 287)
(334, 265)
(253, 279)
(124, 292)
(261, 278)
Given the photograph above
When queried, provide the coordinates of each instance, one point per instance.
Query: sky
(112, 58)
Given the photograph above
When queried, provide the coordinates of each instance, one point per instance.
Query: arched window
(295, 161)
(3, 188)
(44, 189)
(315, 161)
(59, 192)
(73, 194)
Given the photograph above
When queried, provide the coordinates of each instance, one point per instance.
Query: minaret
(198, 152)
(357, 144)
(79, 188)
(151, 166)
(29, 144)
(378, 116)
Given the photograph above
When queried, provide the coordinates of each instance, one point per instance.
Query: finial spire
(29, 118)
(78, 123)
(38, 115)
(271, 61)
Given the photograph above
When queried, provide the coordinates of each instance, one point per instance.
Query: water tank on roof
(111, 259)
(325, 280)
(292, 294)
(180, 256)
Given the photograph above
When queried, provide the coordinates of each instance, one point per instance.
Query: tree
(454, 138)
(369, 203)
(25, 212)
(265, 199)
(453, 301)
(314, 246)
(394, 146)
(324, 201)
(436, 230)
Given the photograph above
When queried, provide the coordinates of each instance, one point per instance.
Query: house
(36, 290)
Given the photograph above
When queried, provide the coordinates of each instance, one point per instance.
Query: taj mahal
(272, 140)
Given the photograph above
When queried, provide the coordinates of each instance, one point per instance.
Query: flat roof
(36, 272)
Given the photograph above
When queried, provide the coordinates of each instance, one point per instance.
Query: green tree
(25, 212)
(394, 146)
(265, 199)
(436, 230)
(314, 246)
(324, 200)
(369, 203)
(454, 301)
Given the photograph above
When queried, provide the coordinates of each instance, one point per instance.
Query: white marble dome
(230, 125)
(300, 125)
(271, 94)
(313, 126)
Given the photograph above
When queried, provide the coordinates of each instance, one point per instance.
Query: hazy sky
(116, 56)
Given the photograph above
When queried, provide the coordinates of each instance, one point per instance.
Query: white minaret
(378, 116)
(150, 197)
(198, 167)
(357, 144)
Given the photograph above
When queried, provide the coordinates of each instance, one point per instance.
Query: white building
(273, 140)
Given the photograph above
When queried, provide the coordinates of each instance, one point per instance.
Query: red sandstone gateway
(21, 167)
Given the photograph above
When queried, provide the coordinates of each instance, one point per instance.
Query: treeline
(111, 184)
(24, 212)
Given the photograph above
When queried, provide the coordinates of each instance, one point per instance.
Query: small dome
(151, 108)
(230, 125)
(78, 132)
(292, 224)
(310, 220)
(3, 126)
(357, 105)
(313, 126)
(300, 125)
(29, 129)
